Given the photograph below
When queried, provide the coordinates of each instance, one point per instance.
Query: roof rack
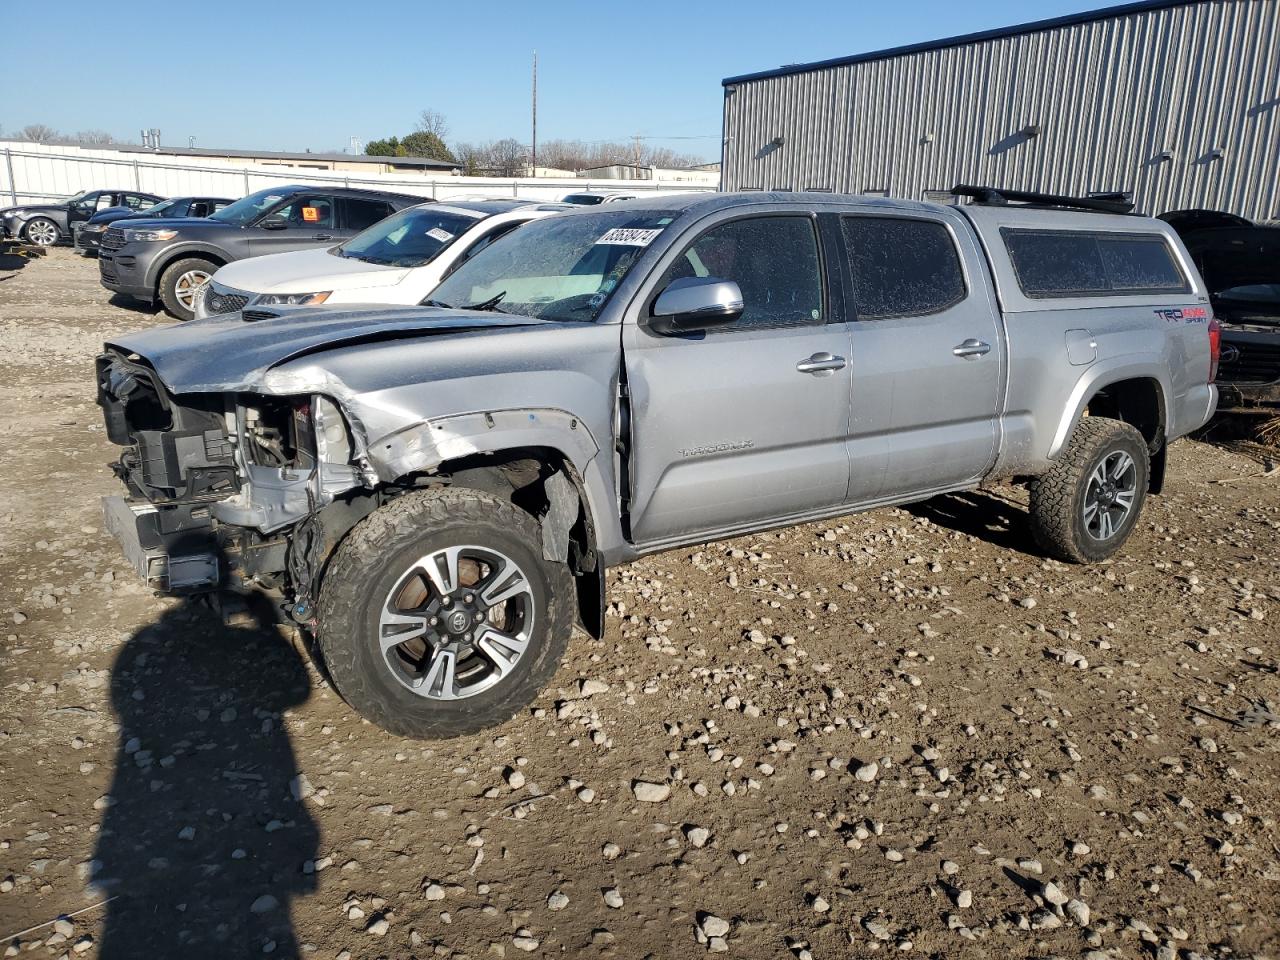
(1099, 202)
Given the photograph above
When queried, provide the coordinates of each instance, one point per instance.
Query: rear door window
(902, 266)
(359, 214)
(1071, 263)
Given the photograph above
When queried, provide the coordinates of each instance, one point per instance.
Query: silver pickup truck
(436, 492)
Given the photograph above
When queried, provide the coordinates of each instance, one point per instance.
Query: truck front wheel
(1084, 509)
(439, 616)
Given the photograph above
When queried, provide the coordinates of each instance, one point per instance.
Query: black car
(1240, 263)
(45, 224)
(170, 260)
(89, 235)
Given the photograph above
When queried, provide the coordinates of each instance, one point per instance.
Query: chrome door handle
(971, 349)
(323, 236)
(820, 363)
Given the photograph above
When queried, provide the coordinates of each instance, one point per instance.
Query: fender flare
(1098, 376)
(177, 252)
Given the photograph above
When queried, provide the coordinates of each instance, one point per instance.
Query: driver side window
(307, 212)
(773, 260)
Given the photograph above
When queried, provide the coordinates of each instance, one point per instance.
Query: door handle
(323, 236)
(821, 363)
(971, 349)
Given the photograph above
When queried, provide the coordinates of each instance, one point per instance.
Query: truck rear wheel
(180, 285)
(439, 616)
(1084, 509)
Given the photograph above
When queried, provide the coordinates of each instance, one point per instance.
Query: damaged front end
(225, 490)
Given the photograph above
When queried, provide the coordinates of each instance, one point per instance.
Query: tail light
(1215, 348)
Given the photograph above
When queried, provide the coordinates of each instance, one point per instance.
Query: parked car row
(437, 492)
(45, 224)
(88, 235)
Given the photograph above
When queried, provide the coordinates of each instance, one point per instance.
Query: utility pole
(533, 152)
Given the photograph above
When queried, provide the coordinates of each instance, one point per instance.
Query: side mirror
(696, 303)
(273, 222)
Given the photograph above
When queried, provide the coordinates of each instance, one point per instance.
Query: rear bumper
(182, 561)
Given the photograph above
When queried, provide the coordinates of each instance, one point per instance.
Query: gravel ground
(902, 731)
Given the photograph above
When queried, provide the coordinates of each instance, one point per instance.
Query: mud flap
(591, 602)
(1159, 461)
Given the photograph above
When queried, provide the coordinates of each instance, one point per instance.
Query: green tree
(424, 143)
(390, 147)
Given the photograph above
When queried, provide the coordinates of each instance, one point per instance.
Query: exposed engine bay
(224, 489)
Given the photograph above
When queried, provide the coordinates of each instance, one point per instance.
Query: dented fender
(424, 446)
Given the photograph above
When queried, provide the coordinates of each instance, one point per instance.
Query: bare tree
(433, 121)
(38, 133)
(509, 157)
(577, 155)
(95, 137)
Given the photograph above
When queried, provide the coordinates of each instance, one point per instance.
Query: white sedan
(398, 260)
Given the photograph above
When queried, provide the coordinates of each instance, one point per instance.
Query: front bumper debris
(174, 561)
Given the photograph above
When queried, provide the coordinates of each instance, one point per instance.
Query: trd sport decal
(1193, 314)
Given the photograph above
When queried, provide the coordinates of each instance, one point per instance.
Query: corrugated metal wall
(1109, 96)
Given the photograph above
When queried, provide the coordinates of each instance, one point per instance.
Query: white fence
(38, 173)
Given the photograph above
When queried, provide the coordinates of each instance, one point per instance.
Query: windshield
(79, 198)
(165, 208)
(584, 199)
(1259, 299)
(248, 208)
(409, 238)
(561, 268)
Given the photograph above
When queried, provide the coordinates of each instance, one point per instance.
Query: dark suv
(1240, 263)
(88, 235)
(44, 224)
(169, 260)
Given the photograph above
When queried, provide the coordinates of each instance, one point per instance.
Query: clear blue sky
(287, 75)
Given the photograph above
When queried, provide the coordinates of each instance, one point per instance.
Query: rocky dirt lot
(902, 732)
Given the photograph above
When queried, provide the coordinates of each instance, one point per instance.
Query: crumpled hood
(227, 353)
(307, 271)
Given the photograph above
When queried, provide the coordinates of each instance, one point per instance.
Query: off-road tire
(367, 564)
(1057, 497)
(169, 280)
(39, 223)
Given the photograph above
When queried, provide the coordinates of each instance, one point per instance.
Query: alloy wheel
(42, 233)
(456, 622)
(188, 287)
(1109, 495)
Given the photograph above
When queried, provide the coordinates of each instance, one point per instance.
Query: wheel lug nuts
(435, 621)
(468, 598)
(479, 618)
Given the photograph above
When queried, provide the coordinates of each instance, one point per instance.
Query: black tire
(38, 228)
(372, 560)
(1058, 499)
(175, 273)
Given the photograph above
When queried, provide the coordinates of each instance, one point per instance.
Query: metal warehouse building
(1177, 102)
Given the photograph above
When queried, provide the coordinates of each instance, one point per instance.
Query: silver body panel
(725, 433)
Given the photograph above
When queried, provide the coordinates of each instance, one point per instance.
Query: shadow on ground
(134, 306)
(11, 263)
(204, 842)
(981, 515)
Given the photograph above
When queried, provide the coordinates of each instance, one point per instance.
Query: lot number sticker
(628, 237)
(435, 233)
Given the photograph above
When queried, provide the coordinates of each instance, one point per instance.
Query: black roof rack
(1099, 202)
